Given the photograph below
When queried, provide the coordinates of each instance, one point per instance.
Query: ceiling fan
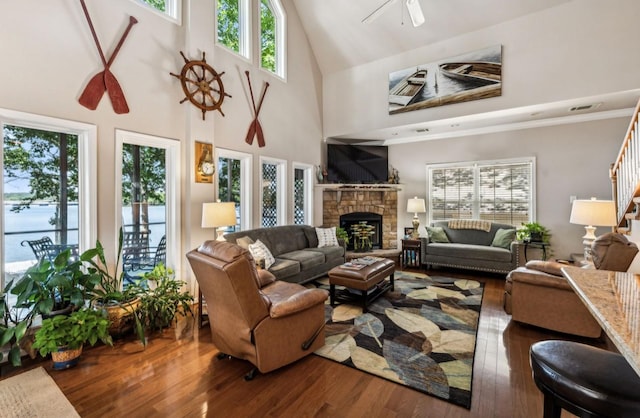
(413, 6)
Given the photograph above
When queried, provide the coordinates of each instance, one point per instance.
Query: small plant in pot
(533, 232)
(164, 300)
(343, 235)
(63, 336)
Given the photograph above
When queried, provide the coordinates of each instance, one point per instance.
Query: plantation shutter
(498, 192)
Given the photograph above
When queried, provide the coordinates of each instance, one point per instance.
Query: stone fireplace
(373, 202)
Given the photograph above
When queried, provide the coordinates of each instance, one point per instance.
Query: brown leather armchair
(253, 316)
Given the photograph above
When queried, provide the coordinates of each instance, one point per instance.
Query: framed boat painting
(472, 76)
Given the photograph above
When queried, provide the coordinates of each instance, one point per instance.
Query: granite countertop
(614, 300)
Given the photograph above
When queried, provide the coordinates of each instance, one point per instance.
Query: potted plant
(64, 335)
(120, 302)
(47, 288)
(343, 235)
(160, 305)
(533, 232)
(362, 233)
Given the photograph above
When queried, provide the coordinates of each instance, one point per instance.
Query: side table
(411, 253)
(541, 245)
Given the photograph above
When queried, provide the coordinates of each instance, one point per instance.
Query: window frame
(87, 171)
(281, 182)
(308, 191)
(280, 18)
(475, 166)
(173, 13)
(173, 197)
(245, 30)
(246, 183)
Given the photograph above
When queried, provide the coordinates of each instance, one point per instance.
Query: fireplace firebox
(373, 219)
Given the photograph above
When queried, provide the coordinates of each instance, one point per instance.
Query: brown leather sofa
(538, 294)
(253, 316)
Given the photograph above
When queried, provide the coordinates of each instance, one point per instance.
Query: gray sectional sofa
(471, 249)
(295, 248)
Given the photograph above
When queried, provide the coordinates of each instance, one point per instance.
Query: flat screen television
(357, 164)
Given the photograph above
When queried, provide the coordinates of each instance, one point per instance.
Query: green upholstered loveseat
(295, 249)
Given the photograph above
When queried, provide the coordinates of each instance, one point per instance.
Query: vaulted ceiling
(340, 40)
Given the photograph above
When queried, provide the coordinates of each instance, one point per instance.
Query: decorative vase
(65, 358)
(319, 174)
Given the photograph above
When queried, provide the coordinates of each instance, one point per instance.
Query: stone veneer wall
(382, 202)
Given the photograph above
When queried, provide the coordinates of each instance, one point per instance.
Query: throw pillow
(244, 242)
(327, 237)
(259, 251)
(437, 235)
(503, 238)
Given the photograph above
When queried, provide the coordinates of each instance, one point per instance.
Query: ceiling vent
(584, 107)
(422, 130)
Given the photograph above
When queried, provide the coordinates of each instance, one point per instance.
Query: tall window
(167, 8)
(233, 25)
(149, 201)
(234, 183)
(234, 31)
(302, 194)
(500, 191)
(46, 189)
(273, 192)
(272, 34)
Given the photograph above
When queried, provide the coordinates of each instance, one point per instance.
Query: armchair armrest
(265, 277)
(289, 298)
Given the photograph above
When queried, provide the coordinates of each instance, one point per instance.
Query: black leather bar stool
(588, 382)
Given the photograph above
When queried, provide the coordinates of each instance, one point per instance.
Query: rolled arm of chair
(265, 277)
(297, 302)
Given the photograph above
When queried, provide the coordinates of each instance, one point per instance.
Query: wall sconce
(204, 164)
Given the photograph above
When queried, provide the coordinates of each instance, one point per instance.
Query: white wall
(571, 160)
(48, 55)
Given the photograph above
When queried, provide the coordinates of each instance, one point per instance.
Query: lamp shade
(416, 205)
(218, 214)
(593, 212)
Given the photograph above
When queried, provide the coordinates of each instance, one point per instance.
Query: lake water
(37, 217)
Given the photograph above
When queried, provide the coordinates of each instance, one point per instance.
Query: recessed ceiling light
(455, 125)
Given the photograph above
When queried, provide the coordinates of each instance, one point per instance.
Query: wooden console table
(613, 299)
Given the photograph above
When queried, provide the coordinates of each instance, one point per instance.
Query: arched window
(272, 37)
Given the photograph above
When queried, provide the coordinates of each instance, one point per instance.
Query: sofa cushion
(244, 242)
(503, 238)
(469, 251)
(307, 259)
(436, 234)
(327, 237)
(330, 253)
(259, 251)
(283, 268)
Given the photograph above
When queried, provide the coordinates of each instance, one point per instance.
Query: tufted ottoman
(369, 280)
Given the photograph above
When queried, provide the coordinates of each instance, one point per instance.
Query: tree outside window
(267, 37)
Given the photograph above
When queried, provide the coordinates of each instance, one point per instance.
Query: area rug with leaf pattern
(421, 335)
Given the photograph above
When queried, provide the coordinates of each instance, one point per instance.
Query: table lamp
(592, 213)
(217, 215)
(416, 206)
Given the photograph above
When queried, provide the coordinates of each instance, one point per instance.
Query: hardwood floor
(185, 379)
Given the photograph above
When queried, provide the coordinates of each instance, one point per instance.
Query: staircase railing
(625, 171)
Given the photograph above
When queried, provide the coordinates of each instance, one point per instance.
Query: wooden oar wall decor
(105, 80)
(255, 129)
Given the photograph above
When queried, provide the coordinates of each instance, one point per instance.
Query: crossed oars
(105, 80)
(255, 129)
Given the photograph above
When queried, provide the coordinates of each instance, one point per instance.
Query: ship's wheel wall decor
(202, 85)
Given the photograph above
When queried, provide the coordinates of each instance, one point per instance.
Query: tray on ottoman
(369, 280)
